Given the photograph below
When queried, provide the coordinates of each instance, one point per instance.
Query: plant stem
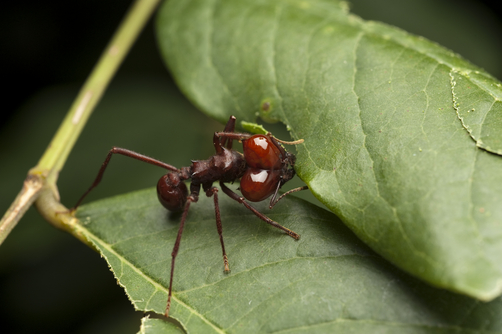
(31, 189)
(52, 161)
(60, 147)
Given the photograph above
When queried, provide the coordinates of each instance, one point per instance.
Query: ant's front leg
(227, 135)
(218, 144)
(213, 191)
(233, 135)
(260, 215)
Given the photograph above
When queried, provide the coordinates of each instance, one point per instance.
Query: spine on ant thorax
(227, 166)
(186, 173)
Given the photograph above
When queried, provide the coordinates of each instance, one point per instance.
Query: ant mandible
(263, 169)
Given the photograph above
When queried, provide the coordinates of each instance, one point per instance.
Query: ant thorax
(227, 166)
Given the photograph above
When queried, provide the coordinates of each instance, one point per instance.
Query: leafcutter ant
(263, 168)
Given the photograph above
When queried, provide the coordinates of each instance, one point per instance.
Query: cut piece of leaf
(387, 146)
(328, 281)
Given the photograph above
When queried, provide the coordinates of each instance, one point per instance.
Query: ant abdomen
(172, 192)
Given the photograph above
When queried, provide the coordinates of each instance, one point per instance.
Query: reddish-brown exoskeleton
(263, 168)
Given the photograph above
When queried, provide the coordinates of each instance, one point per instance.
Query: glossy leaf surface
(402, 137)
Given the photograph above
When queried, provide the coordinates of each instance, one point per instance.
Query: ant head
(269, 167)
(260, 151)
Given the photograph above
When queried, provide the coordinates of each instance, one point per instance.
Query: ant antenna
(274, 201)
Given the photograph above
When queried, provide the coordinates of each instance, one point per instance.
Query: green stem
(60, 147)
(52, 161)
(28, 194)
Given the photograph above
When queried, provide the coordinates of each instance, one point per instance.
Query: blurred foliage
(48, 49)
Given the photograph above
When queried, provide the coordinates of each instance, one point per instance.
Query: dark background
(49, 281)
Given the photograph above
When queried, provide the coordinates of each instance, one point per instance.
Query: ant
(263, 168)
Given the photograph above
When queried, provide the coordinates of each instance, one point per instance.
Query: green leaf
(253, 128)
(402, 137)
(328, 281)
(154, 326)
(478, 105)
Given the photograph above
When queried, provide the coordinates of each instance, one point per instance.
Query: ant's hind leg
(127, 153)
(190, 199)
(260, 215)
(214, 192)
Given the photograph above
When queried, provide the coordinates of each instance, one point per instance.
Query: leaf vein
(297, 258)
(97, 241)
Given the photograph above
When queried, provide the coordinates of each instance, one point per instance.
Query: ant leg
(273, 201)
(127, 153)
(230, 127)
(214, 192)
(260, 215)
(218, 145)
(233, 135)
(190, 199)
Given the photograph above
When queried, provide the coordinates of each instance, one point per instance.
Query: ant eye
(261, 152)
(258, 184)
